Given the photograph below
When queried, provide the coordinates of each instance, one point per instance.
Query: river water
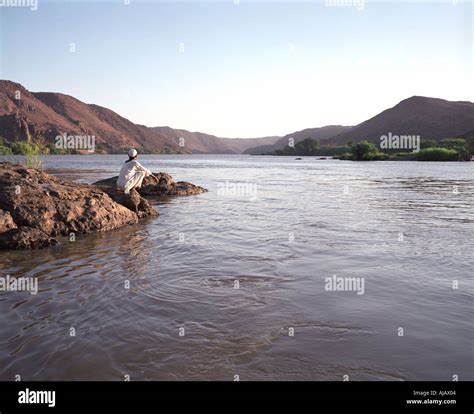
(234, 281)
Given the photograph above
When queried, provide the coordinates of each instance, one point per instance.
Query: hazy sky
(241, 70)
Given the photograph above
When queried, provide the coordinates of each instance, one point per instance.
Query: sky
(241, 68)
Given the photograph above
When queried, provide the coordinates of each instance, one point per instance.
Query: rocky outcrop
(132, 201)
(36, 208)
(6, 222)
(26, 238)
(159, 184)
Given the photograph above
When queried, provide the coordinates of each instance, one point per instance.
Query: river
(234, 282)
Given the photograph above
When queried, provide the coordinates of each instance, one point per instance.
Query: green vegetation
(311, 147)
(461, 146)
(31, 152)
(449, 149)
(365, 151)
(427, 143)
(4, 150)
(306, 147)
(470, 145)
(33, 149)
(362, 151)
(438, 154)
(26, 148)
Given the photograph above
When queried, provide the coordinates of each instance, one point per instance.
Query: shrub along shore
(452, 149)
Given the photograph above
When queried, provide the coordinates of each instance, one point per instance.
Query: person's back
(128, 170)
(132, 173)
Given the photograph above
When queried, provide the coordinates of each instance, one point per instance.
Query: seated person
(132, 173)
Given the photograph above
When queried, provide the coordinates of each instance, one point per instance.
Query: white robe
(131, 176)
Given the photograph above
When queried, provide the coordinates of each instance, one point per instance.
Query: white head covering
(132, 153)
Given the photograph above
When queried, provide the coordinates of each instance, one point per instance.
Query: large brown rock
(26, 238)
(132, 201)
(159, 184)
(6, 221)
(37, 207)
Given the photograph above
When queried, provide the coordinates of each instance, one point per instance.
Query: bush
(365, 151)
(405, 156)
(470, 145)
(5, 150)
(25, 148)
(307, 147)
(459, 145)
(438, 154)
(52, 150)
(427, 143)
(30, 151)
(344, 156)
(451, 143)
(380, 156)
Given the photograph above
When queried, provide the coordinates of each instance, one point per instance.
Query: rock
(132, 201)
(25, 238)
(160, 184)
(184, 188)
(6, 221)
(37, 207)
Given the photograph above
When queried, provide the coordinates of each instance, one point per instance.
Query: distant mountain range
(430, 118)
(324, 134)
(45, 115)
(200, 143)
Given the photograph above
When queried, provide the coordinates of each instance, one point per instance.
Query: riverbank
(37, 208)
(450, 149)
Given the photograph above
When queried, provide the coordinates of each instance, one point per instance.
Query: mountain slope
(200, 143)
(47, 115)
(430, 118)
(23, 115)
